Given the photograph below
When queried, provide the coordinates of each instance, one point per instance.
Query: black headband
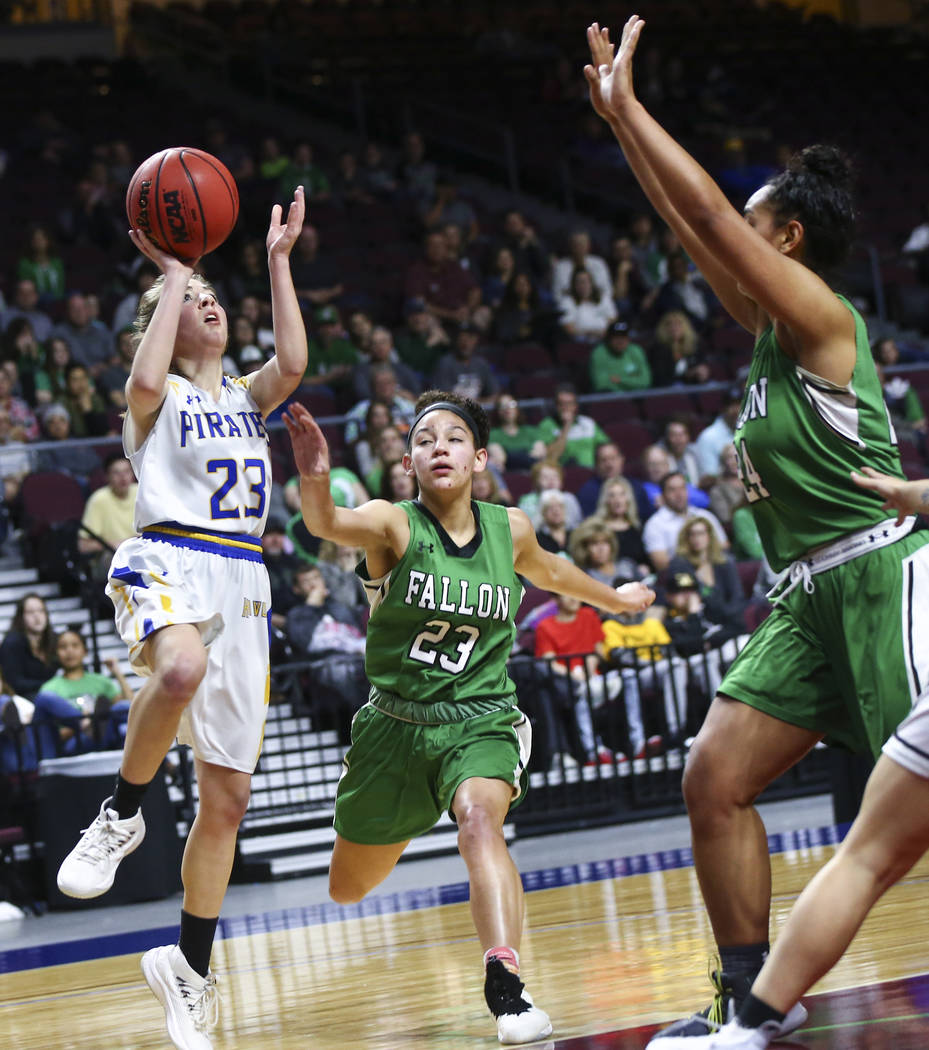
(447, 406)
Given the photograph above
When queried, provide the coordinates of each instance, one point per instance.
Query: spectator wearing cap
(662, 529)
(463, 371)
(316, 277)
(450, 292)
(385, 390)
(381, 351)
(331, 357)
(713, 439)
(422, 340)
(619, 364)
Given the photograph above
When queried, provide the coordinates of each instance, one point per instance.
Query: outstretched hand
(165, 261)
(610, 78)
(635, 597)
(282, 235)
(311, 453)
(905, 497)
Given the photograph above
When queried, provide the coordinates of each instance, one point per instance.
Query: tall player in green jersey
(441, 730)
(844, 652)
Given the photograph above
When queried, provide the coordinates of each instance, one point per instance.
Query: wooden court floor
(608, 957)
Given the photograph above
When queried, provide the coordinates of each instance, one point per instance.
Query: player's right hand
(905, 497)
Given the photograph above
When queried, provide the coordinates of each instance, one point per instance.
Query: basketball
(183, 199)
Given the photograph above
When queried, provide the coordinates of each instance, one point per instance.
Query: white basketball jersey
(204, 463)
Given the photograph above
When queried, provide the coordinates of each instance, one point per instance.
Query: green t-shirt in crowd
(89, 684)
(629, 370)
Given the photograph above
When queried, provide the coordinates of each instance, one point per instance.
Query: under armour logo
(422, 546)
(192, 398)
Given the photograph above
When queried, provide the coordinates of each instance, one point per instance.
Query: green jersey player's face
(442, 453)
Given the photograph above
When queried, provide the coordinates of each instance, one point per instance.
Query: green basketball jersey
(797, 438)
(443, 620)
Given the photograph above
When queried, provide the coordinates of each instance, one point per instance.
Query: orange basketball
(185, 200)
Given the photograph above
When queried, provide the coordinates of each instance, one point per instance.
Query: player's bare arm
(905, 497)
(280, 376)
(378, 526)
(552, 573)
(820, 331)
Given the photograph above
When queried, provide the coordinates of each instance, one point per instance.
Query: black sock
(744, 958)
(127, 798)
(754, 1012)
(196, 941)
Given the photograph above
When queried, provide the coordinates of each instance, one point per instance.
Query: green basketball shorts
(400, 773)
(851, 658)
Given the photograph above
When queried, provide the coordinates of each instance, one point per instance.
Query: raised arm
(378, 526)
(785, 289)
(553, 573)
(277, 379)
(147, 382)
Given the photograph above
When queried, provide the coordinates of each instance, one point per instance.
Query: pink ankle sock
(508, 956)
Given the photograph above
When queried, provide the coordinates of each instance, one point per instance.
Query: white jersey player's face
(202, 329)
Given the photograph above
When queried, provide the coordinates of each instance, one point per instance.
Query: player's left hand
(635, 597)
(609, 78)
(282, 235)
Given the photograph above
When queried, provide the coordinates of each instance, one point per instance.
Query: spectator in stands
(645, 249)
(422, 340)
(463, 371)
(486, 487)
(376, 418)
(396, 483)
(389, 446)
(52, 375)
(242, 334)
(448, 207)
(15, 464)
(234, 154)
(552, 532)
(662, 529)
(727, 493)
(681, 452)
(547, 475)
(303, 171)
(574, 632)
(593, 548)
(90, 341)
(416, 175)
(377, 178)
(282, 565)
(579, 257)
(112, 380)
(530, 255)
(348, 185)
(675, 355)
(23, 424)
(520, 317)
(249, 275)
(609, 463)
(143, 277)
(21, 351)
(99, 704)
(617, 363)
(250, 306)
(906, 410)
(316, 276)
(80, 461)
(449, 292)
(570, 436)
(109, 514)
(359, 328)
(272, 161)
(41, 264)
(381, 351)
(85, 406)
(26, 304)
(513, 443)
(585, 312)
(383, 378)
(332, 358)
(337, 564)
(714, 438)
(699, 553)
(888, 352)
(27, 652)
(499, 272)
(616, 510)
(657, 464)
(630, 284)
